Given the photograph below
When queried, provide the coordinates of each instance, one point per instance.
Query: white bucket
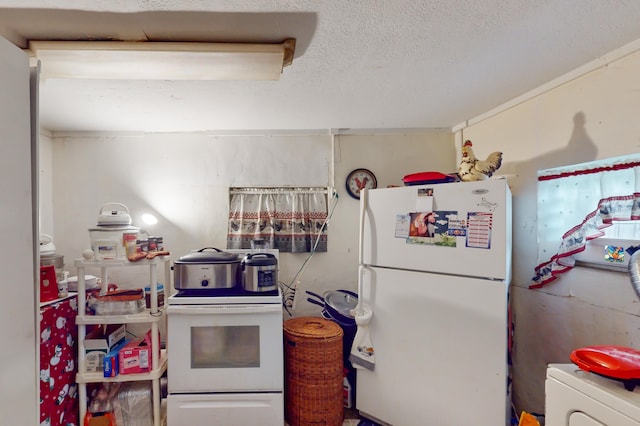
(63, 285)
(108, 242)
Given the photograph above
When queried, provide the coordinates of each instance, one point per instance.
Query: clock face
(358, 180)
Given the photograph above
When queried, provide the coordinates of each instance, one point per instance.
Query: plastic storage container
(110, 242)
(147, 295)
(122, 302)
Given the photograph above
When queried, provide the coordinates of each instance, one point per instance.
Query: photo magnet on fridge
(479, 225)
(402, 225)
(431, 227)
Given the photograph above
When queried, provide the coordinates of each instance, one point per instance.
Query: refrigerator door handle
(358, 309)
(363, 208)
(362, 312)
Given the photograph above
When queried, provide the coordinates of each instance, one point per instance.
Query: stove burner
(223, 292)
(224, 297)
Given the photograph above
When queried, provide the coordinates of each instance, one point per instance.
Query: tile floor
(347, 422)
(351, 418)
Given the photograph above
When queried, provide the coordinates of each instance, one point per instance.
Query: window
(581, 203)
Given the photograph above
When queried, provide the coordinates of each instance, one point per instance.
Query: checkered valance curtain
(576, 203)
(289, 219)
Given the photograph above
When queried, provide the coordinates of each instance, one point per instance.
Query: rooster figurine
(471, 169)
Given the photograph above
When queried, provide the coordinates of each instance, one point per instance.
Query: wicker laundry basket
(313, 367)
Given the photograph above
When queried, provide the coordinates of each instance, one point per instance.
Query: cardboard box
(111, 362)
(136, 356)
(100, 342)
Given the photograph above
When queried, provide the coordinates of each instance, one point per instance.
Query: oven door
(225, 348)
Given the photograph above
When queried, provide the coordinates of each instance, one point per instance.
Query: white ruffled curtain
(289, 219)
(576, 203)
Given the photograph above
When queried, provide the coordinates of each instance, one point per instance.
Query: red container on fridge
(48, 283)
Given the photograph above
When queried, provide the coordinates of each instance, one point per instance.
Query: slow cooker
(208, 268)
(259, 272)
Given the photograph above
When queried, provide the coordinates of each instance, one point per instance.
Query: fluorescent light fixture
(142, 60)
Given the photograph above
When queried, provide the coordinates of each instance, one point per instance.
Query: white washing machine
(578, 398)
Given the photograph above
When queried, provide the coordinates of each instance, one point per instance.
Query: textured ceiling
(359, 64)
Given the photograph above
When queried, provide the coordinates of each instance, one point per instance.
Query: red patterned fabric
(58, 364)
(289, 219)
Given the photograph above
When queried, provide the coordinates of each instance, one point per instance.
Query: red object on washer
(615, 362)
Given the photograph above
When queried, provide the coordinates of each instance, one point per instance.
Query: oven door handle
(223, 309)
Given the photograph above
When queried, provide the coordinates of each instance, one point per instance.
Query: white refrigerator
(436, 268)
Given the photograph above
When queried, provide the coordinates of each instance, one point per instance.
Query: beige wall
(183, 179)
(592, 117)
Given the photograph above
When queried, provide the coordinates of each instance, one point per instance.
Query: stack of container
(113, 233)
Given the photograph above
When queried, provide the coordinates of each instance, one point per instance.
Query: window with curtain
(576, 203)
(288, 219)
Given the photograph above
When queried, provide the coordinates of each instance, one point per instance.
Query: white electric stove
(226, 358)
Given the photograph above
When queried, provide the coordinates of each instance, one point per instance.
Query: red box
(136, 356)
(48, 283)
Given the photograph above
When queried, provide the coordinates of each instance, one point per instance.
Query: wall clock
(358, 180)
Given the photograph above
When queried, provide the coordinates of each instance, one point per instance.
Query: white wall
(592, 117)
(183, 179)
(45, 154)
(19, 378)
